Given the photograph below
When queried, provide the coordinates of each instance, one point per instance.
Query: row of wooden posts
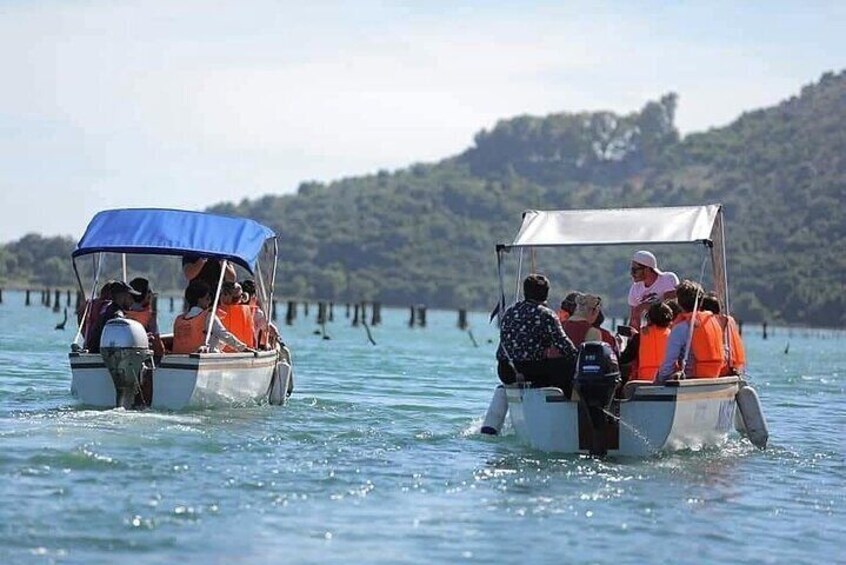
(359, 311)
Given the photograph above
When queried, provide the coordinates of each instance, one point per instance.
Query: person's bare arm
(229, 275)
(191, 270)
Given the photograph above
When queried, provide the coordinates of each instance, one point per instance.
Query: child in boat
(189, 329)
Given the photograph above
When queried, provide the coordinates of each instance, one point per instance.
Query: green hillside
(427, 233)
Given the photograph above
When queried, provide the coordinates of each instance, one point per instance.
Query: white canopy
(679, 224)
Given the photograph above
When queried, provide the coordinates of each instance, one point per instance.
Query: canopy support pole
(213, 312)
(123, 265)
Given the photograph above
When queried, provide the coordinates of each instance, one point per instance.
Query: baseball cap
(647, 259)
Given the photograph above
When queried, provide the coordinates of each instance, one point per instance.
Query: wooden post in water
(27, 303)
(462, 319)
(290, 313)
(305, 309)
(331, 311)
(421, 315)
(321, 313)
(56, 306)
(348, 309)
(355, 316)
(273, 311)
(765, 329)
(740, 327)
(364, 312)
(376, 318)
(171, 304)
(411, 316)
(1, 296)
(68, 303)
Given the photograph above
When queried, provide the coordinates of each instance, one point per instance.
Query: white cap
(646, 259)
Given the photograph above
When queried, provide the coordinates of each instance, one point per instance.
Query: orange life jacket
(239, 322)
(143, 317)
(737, 359)
(708, 356)
(189, 334)
(651, 350)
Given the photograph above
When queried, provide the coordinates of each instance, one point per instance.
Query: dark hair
(711, 303)
(536, 287)
(569, 302)
(660, 314)
(106, 290)
(600, 317)
(674, 307)
(142, 285)
(687, 292)
(227, 287)
(195, 291)
(249, 286)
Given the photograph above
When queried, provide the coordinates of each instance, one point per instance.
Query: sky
(184, 104)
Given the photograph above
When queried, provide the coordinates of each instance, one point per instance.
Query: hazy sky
(184, 104)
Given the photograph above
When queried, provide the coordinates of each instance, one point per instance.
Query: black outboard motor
(596, 381)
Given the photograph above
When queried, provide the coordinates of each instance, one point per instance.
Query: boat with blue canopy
(125, 369)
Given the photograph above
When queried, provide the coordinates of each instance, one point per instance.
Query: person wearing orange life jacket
(142, 307)
(239, 318)
(189, 329)
(736, 356)
(652, 341)
(706, 356)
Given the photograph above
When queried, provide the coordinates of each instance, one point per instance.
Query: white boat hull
(184, 381)
(652, 418)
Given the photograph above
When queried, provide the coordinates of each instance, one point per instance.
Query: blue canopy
(153, 231)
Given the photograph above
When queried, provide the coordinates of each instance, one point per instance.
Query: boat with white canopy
(126, 372)
(640, 417)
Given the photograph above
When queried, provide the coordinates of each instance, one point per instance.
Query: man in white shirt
(650, 285)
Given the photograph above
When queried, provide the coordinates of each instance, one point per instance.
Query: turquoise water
(377, 459)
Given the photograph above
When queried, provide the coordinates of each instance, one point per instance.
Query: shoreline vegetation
(425, 234)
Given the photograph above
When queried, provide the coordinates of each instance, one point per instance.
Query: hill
(427, 233)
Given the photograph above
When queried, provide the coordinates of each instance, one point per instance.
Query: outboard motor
(128, 358)
(596, 381)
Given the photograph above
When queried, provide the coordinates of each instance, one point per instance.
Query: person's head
(248, 286)
(198, 293)
(687, 293)
(644, 266)
(600, 318)
(674, 307)
(106, 290)
(123, 295)
(569, 303)
(142, 285)
(660, 314)
(231, 293)
(711, 303)
(587, 307)
(536, 288)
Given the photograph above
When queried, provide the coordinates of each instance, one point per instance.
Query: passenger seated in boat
(527, 329)
(736, 357)
(189, 329)
(568, 306)
(580, 326)
(239, 319)
(197, 267)
(706, 356)
(646, 349)
(267, 333)
(122, 298)
(141, 309)
(649, 285)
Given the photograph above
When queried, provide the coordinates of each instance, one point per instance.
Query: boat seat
(630, 387)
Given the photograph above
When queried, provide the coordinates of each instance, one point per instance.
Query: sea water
(377, 459)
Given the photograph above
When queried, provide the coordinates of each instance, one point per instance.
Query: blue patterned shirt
(528, 329)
